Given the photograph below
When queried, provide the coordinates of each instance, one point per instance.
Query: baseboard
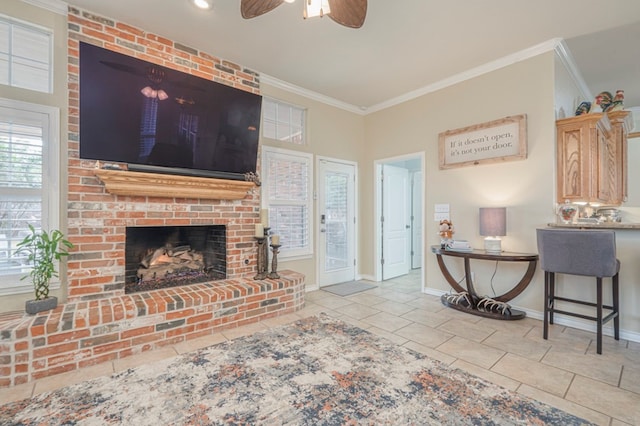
(563, 320)
(366, 277)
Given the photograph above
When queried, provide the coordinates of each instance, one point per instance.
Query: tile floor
(563, 371)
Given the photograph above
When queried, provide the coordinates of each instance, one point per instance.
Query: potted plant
(43, 249)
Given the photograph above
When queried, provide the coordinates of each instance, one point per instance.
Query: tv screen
(157, 119)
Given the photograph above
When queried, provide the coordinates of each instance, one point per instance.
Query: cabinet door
(606, 166)
(575, 153)
(619, 128)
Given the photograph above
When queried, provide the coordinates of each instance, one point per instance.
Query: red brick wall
(97, 219)
(99, 323)
(85, 333)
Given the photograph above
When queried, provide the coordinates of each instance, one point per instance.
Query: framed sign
(493, 142)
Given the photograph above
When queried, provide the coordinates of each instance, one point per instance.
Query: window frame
(287, 140)
(50, 190)
(267, 202)
(30, 27)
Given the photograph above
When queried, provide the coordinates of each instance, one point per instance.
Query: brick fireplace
(101, 320)
(171, 256)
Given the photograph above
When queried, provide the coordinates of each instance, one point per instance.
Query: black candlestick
(262, 271)
(274, 262)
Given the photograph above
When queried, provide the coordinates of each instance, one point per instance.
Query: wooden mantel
(123, 182)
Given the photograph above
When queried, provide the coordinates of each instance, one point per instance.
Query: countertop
(603, 225)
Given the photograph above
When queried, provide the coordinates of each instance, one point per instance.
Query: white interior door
(416, 220)
(395, 221)
(336, 216)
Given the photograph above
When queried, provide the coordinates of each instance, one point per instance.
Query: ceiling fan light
(202, 4)
(313, 8)
(290, 1)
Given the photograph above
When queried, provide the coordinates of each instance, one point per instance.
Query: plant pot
(34, 306)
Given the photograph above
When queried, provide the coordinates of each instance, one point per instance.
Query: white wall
(525, 187)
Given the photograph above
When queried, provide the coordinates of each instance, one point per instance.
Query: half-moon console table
(467, 300)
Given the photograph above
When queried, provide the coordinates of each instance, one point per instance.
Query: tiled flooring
(563, 371)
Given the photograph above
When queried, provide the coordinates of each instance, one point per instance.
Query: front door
(336, 217)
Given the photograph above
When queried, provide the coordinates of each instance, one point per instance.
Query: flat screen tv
(157, 119)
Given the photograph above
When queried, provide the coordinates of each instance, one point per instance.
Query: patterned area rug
(318, 371)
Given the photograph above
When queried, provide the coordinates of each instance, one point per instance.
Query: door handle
(323, 230)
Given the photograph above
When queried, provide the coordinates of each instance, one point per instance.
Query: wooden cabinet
(592, 158)
(621, 124)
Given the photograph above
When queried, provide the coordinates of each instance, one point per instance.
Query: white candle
(264, 217)
(259, 230)
(275, 240)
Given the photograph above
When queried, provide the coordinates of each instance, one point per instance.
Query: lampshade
(493, 221)
(314, 8)
(493, 225)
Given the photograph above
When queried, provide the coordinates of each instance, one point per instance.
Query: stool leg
(616, 307)
(599, 314)
(545, 328)
(552, 295)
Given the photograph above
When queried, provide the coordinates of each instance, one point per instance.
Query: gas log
(169, 261)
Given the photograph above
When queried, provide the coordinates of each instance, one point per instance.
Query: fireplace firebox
(167, 256)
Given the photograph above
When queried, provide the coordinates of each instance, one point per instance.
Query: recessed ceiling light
(202, 4)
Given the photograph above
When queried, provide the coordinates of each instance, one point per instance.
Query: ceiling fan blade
(350, 13)
(123, 67)
(252, 8)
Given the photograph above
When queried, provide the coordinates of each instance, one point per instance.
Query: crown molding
(556, 44)
(292, 88)
(55, 6)
(469, 74)
(566, 58)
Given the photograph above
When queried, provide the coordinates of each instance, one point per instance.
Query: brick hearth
(98, 322)
(84, 333)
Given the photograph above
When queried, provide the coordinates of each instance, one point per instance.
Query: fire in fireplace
(168, 256)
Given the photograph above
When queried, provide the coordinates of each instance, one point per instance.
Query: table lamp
(493, 225)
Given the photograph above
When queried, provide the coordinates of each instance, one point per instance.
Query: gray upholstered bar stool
(580, 252)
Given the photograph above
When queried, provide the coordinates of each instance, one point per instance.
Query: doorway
(399, 225)
(336, 221)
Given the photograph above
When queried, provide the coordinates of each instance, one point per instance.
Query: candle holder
(262, 270)
(265, 252)
(274, 262)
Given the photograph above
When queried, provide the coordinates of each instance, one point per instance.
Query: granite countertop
(603, 225)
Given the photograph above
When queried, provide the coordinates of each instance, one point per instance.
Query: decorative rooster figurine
(618, 102)
(595, 105)
(605, 100)
(583, 108)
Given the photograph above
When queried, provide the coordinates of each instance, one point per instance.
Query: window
(29, 175)
(287, 195)
(25, 56)
(283, 122)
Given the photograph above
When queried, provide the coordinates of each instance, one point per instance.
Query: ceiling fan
(157, 78)
(350, 13)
